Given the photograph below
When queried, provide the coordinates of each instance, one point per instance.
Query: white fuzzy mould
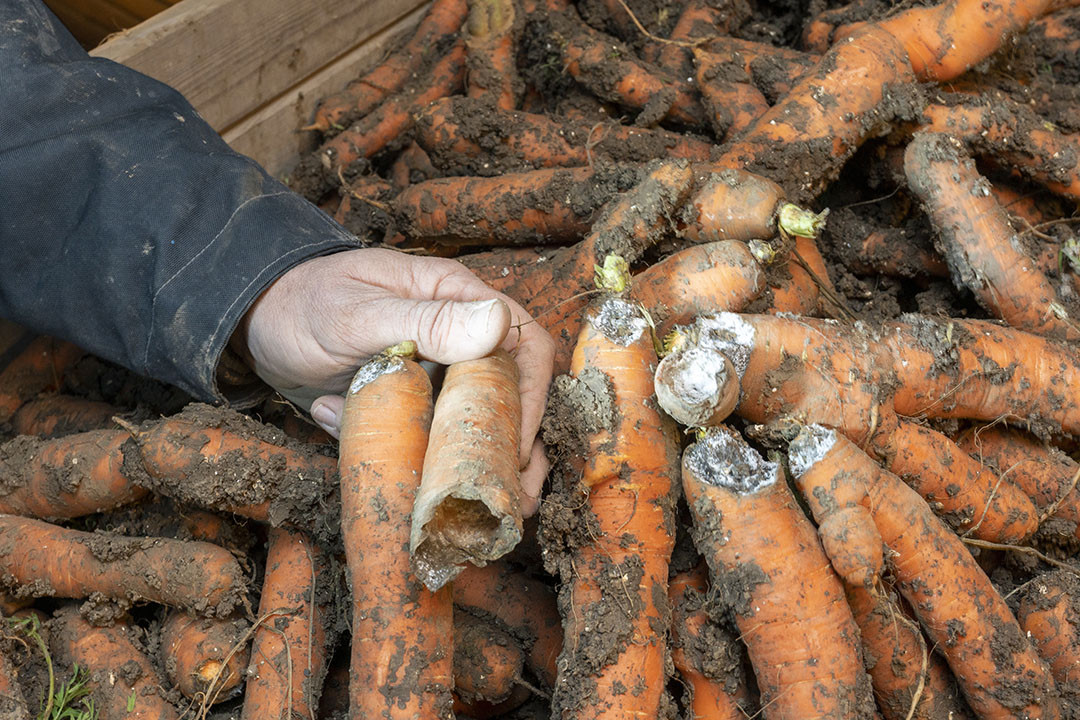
(723, 459)
(620, 321)
(375, 368)
(811, 445)
(727, 333)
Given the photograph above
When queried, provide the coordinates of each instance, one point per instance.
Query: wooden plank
(271, 135)
(231, 57)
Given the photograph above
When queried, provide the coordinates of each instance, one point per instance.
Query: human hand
(308, 333)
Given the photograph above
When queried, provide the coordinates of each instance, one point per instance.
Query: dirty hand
(309, 331)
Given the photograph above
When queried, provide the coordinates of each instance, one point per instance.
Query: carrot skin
(47, 560)
(402, 641)
(204, 657)
(1048, 615)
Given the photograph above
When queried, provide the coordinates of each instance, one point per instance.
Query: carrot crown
(795, 220)
(620, 321)
(696, 385)
(389, 360)
(613, 276)
(809, 447)
(729, 334)
(723, 459)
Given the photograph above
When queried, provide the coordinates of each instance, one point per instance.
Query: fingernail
(478, 324)
(326, 419)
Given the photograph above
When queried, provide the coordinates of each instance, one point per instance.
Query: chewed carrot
(402, 634)
(39, 367)
(468, 507)
(792, 615)
(290, 653)
(622, 483)
(963, 614)
(204, 658)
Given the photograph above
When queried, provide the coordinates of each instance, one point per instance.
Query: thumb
(447, 331)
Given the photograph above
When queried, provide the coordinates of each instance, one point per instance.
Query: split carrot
(962, 613)
(1048, 615)
(290, 650)
(468, 507)
(204, 658)
(70, 476)
(436, 29)
(622, 483)
(402, 634)
(40, 559)
(799, 631)
(38, 368)
(976, 239)
(123, 681)
(491, 53)
(51, 416)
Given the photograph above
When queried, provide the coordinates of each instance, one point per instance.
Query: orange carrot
(69, 477)
(962, 613)
(818, 33)
(38, 368)
(491, 53)
(412, 166)
(123, 681)
(438, 27)
(730, 107)
(523, 606)
(700, 647)
(290, 651)
(977, 241)
(45, 560)
(700, 19)
(204, 657)
(487, 662)
(55, 415)
(402, 634)
(619, 479)
(468, 507)
(774, 70)
(554, 206)
(466, 137)
(1048, 615)
(799, 632)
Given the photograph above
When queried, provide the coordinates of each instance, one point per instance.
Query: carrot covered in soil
(799, 631)
(1049, 614)
(123, 682)
(52, 416)
(46, 560)
(979, 244)
(38, 368)
(12, 703)
(290, 650)
(438, 27)
(962, 613)
(487, 663)
(70, 476)
(730, 107)
(616, 488)
(491, 53)
(468, 507)
(204, 658)
(402, 634)
(773, 70)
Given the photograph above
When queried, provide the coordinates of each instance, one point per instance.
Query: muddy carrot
(12, 703)
(700, 647)
(1048, 615)
(622, 484)
(123, 681)
(487, 661)
(798, 629)
(976, 239)
(47, 560)
(730, 107)
(55, 415)
(774, 70)
(438, 27)
(290, 651)
(204, 658)
(71, 476)
(468, 507)
(411, 166)
(700, 19)
(402, 634)
(38, 368)
(962, 613)
(491, 53)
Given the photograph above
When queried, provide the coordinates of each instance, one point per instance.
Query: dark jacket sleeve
(127, 225)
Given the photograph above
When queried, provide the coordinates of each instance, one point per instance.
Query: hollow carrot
(290, 650)
(468, 507)
(700, 647)
(204, 658)
(621, 483)
(402, 634)
(805, 650)
(39, 367)
(465, 137)
(46, 560)
(55, 415)
(491, 53)
(70, 476)
(977, 241)
(439, 26)
(962, 613)
(1047, 612)
(123, 681)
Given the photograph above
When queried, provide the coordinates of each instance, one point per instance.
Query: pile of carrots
(813, 282)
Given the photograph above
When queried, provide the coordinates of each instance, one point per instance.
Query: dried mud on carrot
(204, 658)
